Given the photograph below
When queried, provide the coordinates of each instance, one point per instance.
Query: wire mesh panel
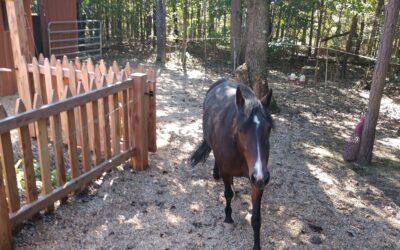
(75, 38)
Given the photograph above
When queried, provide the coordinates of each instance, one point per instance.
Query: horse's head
(252, 130)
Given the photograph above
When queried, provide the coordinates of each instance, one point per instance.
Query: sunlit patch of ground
(314, 199)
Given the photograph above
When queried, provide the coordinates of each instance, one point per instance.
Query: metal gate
(75, 38)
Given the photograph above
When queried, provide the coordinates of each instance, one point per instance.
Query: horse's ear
(239, 98)
(266, 100)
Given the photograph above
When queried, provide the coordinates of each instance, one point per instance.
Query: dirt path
(314, 199)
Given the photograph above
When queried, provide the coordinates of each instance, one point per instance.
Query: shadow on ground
(314, 199)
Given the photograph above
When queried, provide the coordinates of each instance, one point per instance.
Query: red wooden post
(139, 121)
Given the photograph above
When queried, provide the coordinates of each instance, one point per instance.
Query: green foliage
(128, 20)
(36, 167)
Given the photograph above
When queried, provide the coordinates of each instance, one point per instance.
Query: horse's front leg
(256, 194)
(228, 196)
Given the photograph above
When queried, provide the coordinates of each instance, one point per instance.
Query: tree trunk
(304, 36)
(339, 25)
(160, 23)
(141, 22)
(311, 32)
(320, 18)
(278, 26)
(192, 30)
(361, 34)
(349, 44)
(204, 35)
(198, 14)
(378, 82)
(224, 25)
(184, 28)
(375, 27)
(236, 30)
(175, 18)
(256, 49)
(154, 24)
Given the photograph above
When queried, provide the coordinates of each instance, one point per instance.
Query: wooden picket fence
(105, 117)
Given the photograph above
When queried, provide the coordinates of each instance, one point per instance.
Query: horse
(237, 127)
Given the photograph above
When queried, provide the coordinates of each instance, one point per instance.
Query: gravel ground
(314, 199)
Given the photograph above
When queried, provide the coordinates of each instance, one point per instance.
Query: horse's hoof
(228, 220)
(256, 248)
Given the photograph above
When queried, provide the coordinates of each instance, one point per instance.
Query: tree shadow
(312, 201)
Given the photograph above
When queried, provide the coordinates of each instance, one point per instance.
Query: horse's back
(221, 91)
(219, 110)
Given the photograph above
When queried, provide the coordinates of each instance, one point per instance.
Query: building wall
(57, 10)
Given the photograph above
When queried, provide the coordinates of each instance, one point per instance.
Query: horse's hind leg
(216, 172)
(228, 181)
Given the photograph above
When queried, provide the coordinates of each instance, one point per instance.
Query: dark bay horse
(236, 127)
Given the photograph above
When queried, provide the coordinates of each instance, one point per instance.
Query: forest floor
(314, 200)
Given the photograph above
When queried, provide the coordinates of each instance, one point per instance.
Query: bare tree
(378, 82)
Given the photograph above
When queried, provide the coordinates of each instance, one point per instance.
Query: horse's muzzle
(260, 181)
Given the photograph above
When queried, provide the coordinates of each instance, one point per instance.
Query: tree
(184, 45)
(236, 32)
(160, 25)
(374, 31)
(256, 49)
(320, 19)
(349, 44)
(311, 32)
(378, 82)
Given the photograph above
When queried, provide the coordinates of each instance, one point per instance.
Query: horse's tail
(201, 154)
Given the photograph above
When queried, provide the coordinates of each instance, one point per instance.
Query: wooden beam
(20, 49)
(94, 126)
(43, 151)
(27, 157)
(139, 122)
(66, 71)
(56, 136)
(5, 223)
(84, 134)
(8, 169)
(325, 39)
(152, 128)
(71, 137)
(18, 120)
(78, 183)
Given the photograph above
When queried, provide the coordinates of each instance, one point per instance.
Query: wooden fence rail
(104, 117)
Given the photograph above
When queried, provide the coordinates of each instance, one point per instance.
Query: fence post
(7, 161)
(326, 67)
(152, 129)
(139, 120)
(5, 224)
(21, 49)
